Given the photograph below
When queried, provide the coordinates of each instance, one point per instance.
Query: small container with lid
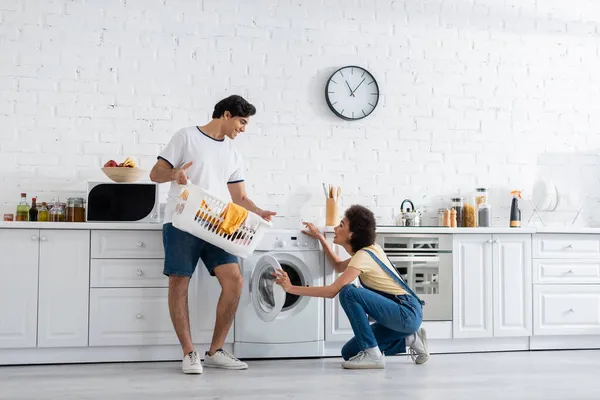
(9, 217)
(441, 216)
(484, 215)
(458, 205)
(75, 210)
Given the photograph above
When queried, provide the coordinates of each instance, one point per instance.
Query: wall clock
(352, 93)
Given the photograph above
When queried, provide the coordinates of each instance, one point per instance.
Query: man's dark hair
(362, 225)
(236, 105)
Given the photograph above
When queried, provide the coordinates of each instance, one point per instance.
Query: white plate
(544, 196)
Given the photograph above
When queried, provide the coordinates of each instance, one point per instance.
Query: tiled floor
(564, 375)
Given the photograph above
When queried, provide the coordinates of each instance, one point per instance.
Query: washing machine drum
(268, 297)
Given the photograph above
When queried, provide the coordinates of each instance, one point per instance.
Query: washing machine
(269, 322)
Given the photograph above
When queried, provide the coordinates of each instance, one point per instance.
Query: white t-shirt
(216, 164)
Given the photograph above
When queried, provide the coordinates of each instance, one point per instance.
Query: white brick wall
(496, 93)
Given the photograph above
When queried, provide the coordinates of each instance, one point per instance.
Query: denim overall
(396, 316)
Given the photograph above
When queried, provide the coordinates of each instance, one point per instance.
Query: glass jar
(458, 205)
(481, 196)
(9, 217)
(484, 215)
(441, 216)
(469, 212)
(75, 210)
(57, 214)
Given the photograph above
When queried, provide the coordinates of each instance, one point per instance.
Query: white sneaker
(364, 360)
(191, 363)
(418, 348)
(223, 359)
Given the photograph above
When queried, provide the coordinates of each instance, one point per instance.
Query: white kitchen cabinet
(472, 303)
(203, 296)
(130, 317)
(18, 287)
(567, 309)
(127, 244)
(64, 269)
(492, 285)
(337, 325)
(512, 282)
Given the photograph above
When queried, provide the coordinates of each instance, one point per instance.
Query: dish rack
(561, 215)
(200, 213)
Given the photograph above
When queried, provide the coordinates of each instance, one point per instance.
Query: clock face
(352, 93)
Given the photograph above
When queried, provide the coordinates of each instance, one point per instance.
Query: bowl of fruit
(123, 172)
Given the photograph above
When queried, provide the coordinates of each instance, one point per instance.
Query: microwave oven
(122, 202)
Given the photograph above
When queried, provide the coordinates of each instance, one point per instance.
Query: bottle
(43, 214)
(33, 211)
(515, 212)
(23, 209)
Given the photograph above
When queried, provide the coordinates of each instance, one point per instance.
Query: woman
(383, 296)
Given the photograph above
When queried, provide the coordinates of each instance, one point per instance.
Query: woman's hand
(282, 279)
(312, 231)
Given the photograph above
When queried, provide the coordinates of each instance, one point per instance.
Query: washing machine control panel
(292, 241)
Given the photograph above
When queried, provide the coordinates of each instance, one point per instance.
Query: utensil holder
(331, 212)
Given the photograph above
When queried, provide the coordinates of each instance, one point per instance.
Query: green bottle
(22, 209)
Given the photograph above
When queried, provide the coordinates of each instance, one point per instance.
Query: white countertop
(491, 230)
(328, 229)
(81, 225)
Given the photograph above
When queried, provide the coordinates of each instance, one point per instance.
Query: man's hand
(266, 215)
(180, 174)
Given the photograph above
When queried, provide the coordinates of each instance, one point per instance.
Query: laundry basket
(200, 213)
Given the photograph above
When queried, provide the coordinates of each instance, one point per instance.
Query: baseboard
(73, 355)
(565, 342)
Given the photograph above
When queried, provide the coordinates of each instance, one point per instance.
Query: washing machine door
(268, 297)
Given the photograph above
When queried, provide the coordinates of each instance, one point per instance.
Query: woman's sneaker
(418, 349)
(191, 363)
(223, 359)
(364, 360)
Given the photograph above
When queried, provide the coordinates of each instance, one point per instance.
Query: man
(205, 155)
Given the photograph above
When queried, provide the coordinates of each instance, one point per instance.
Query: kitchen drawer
(130, 317)
(127, 244)
(566, 271)
(566, 309)
(566, 246)
(128, 273)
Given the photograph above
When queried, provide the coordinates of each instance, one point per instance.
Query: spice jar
(9, 217)
(75, 210)
(57, 214)
(457, 204)
(441, 216)
(446, 217)
(452, 218)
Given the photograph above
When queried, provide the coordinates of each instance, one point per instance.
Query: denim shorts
(182, 252)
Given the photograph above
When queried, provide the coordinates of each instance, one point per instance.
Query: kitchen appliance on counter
(424, 261)
(122, 202)
(410, 217)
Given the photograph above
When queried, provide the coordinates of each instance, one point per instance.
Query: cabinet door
(64, 288)
(472, 286)
(337, 325)
(512, 285)
(203, 296)
(18, 287)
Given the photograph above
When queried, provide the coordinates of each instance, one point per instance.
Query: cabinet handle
(496, 241)
(34, 238)
(140, 244)
(569, 271)
(139, 272)
(569, 247)
(44, 238)
(139, 316)
(570, 310)
(490, 241)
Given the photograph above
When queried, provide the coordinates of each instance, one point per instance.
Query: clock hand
(351, 93)
(358, 86)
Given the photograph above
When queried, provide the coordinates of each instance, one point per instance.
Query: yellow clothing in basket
(233, 217)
